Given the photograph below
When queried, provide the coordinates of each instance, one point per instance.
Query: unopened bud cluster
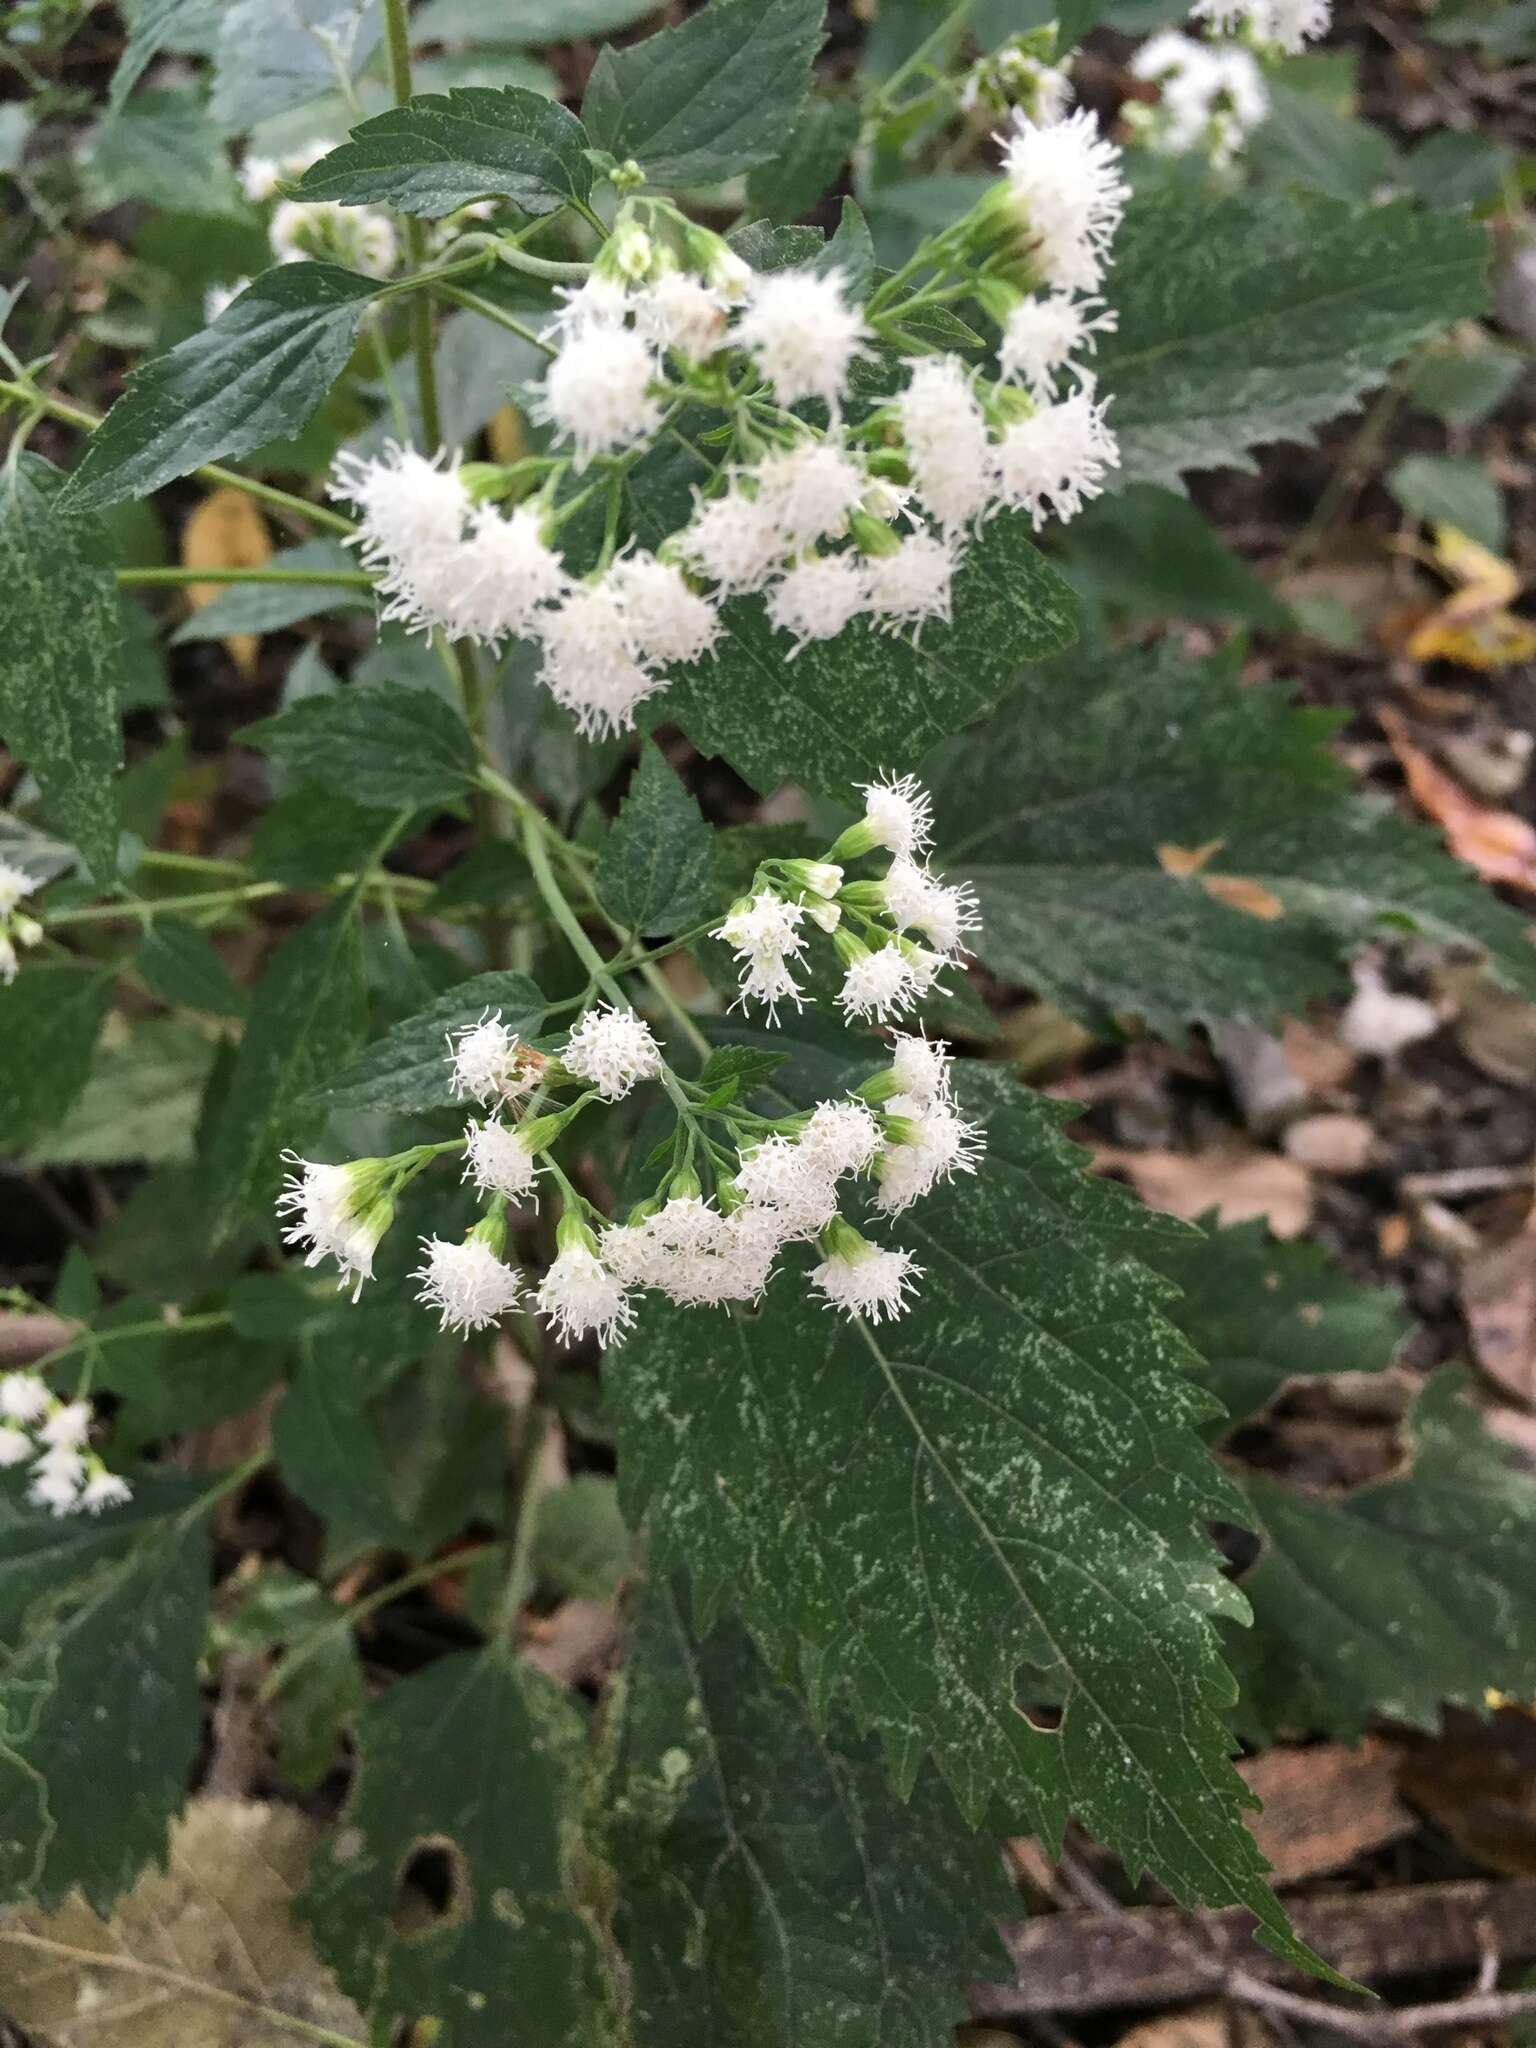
(16, 927)
(50, 1437)
(843, 488)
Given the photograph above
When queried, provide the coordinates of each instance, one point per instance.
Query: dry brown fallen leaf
(1331, 1143)
(226, 531)
(1324, 1806)
(1478, 1781)
(195, 1956)
(1238, 892)
(1239, 1181)
(1498, 1299)
(1500, 845)
(1199, 2026)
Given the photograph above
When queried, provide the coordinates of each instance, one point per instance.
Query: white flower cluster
(1211, 96)
(1284, 25)
(827, 523)
(50, 1435)
(1016, 77)
(911, 924)
(16, 927)
(299, 229)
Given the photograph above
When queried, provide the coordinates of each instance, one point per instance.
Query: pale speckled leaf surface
(478, 1751)
(1394, 1598)
(101, 1626)
(1021, 1521)
(774, 1892)
(1059, 821)
(1253, 317)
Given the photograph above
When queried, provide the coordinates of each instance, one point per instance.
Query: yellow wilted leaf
(226, 531)
(1474, 627)
(1483, 576)
(504, 434)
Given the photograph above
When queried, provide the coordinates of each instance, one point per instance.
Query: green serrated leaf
(581, 1548)
(165, 150)
(656, 871)
(1394, 1598)
(158, 25)
(61, 642)
(271, 59)
(1154, 552)
(851, 252)
(749, 1066)
(171, 1377)
(254, 376)
(407, 1070)
(773, 1890)
(1464, 385)
(330, 1453)
(312, 835)
(710, 98)
(820, 143)
(307, 1016)
(101, 1627)
(1262, 1313)
(1252, 317)
(848, 710)
(442, 150)
(180, 964)
(50, 1019)
(140, 1103)
(1029, 1467)
(476, 1756)
(1184, 847)
(385, 745)
(1451, 490)
(267, 607)
(524, 21)
(317, 1686)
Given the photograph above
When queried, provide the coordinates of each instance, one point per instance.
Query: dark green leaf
(766, 247)
(1504, 28)
(1452, 168)
(101, 1627)
(50, 1019)
(312, 835)
(1262, 1313)
(440, 151)
(330, 1454)
(255, 375)
(385, 746)
(60, 651)
(1462, 386)
(747, 1065)
(582, 1549)
(175, 1377)
(1308, 144)
(1154, 552)
(1028, 1469)
(489, 876)
(165, 150)
(162, 25)
(317, 1687)
(306, 1019)
(267, 607)
(656, 873)
(477, 1755)
(845, 711)
(1252, 317)
(1183, 847)
(407, 1070)
(271, 59)
(1396, 1597)
(524, 21)
(712, 97)
(181, 965)
(820, 143)
(851, 252)
(141, 1101)
(772, 1887)
(1451, 490)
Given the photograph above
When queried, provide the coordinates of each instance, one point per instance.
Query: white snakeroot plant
(51, 1438)
(17, 927)
(1283, 25)
(1211, 96)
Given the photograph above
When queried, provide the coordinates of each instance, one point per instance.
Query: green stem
(519, 1583)
(592, 219)
(881, 102)
(397, 37)
(536, 847)
(156, 1326)
(473, 303)
(540, 266)
(146, 907)
(318, 579)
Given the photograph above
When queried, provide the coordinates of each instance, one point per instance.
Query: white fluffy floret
(763, 932)
(922, 1066)
(15, 885)
(613, 1050)
(913, 585)
(918, 901)
(680, 311)
(938, 1144)
(873, 1281)
(258, 178)
(498, 1161)
(489, 1063)
(104, 1489)
(412, 510)
(218, 298)
(1065, 182)
(780, 1176)
(817, 597)
(490, 587)
(70, 1423)
(580, 1296)
(591, 661)
(1288, 25)
(1211, 95)
(595, 302)
(465, 1283)
(23, 1396)
(597, 393)
(15, 1446)
(1044, 335)
(803, 334)
(323, 1203)
(879, 984)
(302, 228)
(1054, 462)
(899, 813)
(841, 1137)
(947, 443)
(56, 1483)
(735, 540)
(809, 490)
(668, 620)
